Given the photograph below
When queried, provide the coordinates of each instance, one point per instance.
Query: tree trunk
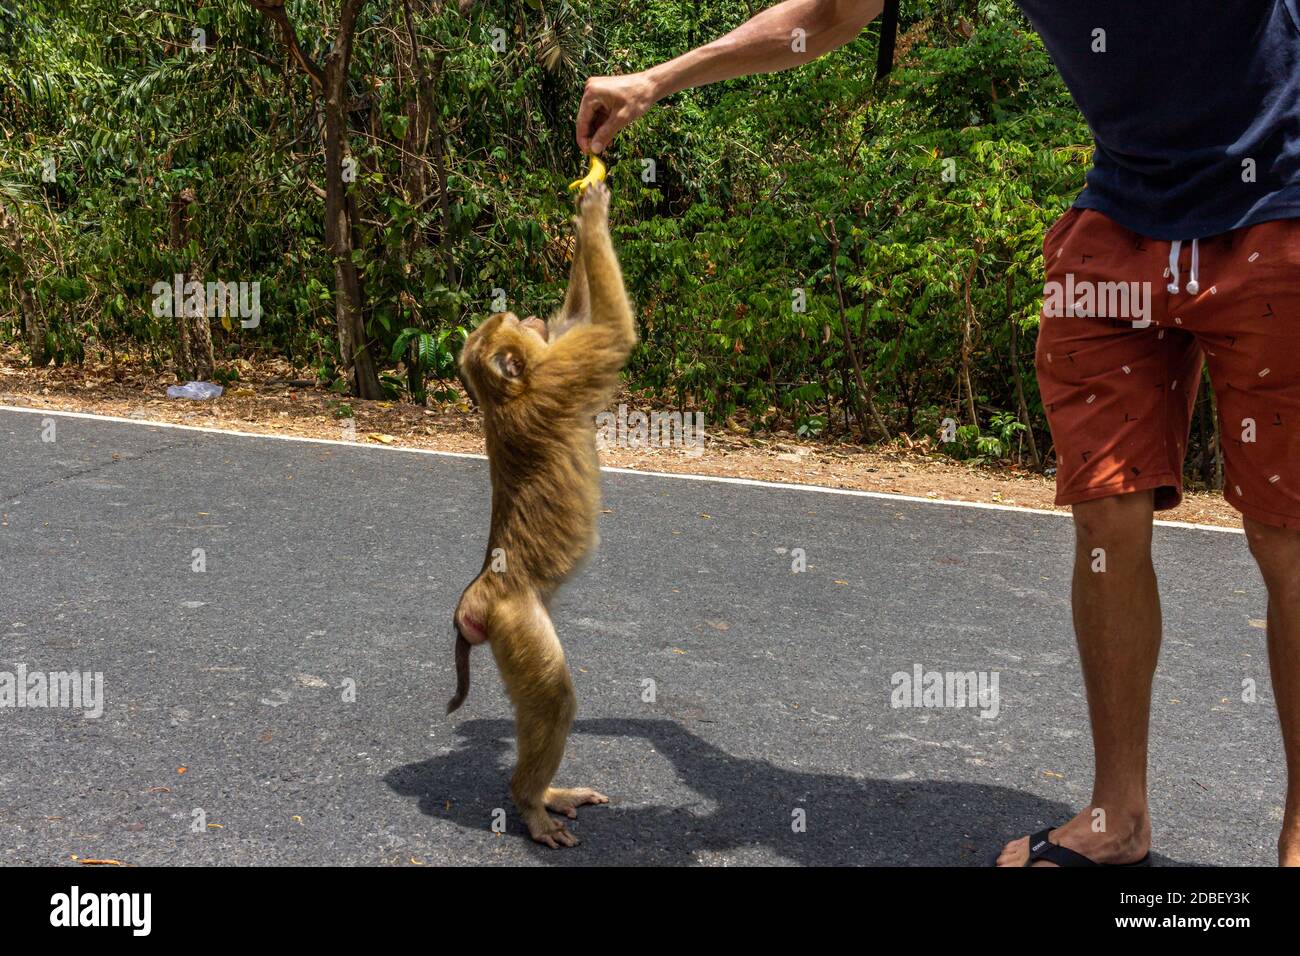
(863, 388)
(1019, 383)
(34, 326)
(349, 303)
(444, 199)
(195, 358)
(424, 129)
(1218, 440)
(967, 333)
(202, 357)
(414, 173)
(179, 230)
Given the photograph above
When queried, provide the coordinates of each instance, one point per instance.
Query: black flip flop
(1041, 848)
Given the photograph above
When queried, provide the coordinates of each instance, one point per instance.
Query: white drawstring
(1193, 281)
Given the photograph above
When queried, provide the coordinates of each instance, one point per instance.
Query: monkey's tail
(462, 672)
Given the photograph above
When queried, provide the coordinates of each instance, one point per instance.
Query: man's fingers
(609, 103)
(593, 113)
(613, 123)
(587, 117)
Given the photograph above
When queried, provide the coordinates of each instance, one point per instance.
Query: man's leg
(1118, 393)
(1117, 625)
(1277, 551)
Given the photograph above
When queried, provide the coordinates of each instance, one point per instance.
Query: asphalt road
(331, 572)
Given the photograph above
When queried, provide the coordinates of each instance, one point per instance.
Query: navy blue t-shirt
(1194, 106)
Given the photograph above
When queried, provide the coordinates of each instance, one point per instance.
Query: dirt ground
(269, 398)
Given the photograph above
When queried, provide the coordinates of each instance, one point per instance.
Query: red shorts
(1119, 360)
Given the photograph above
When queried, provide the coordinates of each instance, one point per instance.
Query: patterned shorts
(1127, 322)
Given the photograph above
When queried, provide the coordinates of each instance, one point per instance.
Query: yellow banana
(594, 175)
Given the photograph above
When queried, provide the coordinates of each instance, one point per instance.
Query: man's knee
(1277, 552)
(1120, 521)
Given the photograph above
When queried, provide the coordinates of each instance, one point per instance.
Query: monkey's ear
(508, 363)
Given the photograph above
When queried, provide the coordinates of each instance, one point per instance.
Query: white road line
(749, 482)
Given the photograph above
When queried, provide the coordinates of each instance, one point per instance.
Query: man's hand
(763, 44)
(609, 103)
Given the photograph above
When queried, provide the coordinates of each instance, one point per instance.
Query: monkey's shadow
(850, 821)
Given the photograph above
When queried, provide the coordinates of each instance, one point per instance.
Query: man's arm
(764, 44)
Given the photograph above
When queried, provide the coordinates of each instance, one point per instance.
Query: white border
(748, 482)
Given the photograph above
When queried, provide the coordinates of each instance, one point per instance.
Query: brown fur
(538, 396)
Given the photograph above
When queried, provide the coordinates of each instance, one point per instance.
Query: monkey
(539, 385)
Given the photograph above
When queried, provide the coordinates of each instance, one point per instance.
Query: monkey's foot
(544, 829)
(568, 801)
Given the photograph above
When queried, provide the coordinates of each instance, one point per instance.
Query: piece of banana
(594, 175)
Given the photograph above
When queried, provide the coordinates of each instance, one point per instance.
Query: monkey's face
(498, 355)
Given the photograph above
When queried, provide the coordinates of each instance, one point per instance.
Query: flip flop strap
(1041, 848)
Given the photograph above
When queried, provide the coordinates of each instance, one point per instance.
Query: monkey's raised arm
(609, 304)
(576, 308)
(583, 365)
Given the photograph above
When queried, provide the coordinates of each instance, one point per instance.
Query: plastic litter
(195, 390)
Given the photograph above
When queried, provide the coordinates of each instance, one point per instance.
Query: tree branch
(347, 30)
(273, 10)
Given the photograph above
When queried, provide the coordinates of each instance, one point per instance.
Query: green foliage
(978, 448)
(428, 354)
(756, 181)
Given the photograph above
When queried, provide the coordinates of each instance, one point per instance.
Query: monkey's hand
(593, 210)
(594, 175)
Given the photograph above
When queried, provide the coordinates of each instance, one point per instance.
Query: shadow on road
(850, 821)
